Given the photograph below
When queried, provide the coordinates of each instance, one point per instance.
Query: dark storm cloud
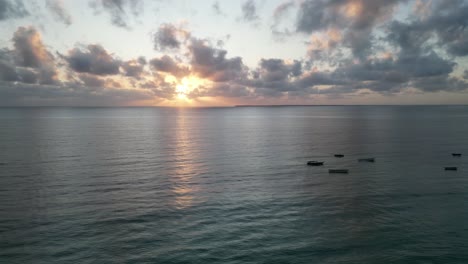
(169, 36)
(211, 63)
(120, 11)
(12, 9)
(58, 11)
(95, 60)
(249, 11)
(168, 65)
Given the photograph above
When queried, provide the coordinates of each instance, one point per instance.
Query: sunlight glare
(181, 91)
(186, 86)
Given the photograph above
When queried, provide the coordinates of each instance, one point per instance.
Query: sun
(187, 85)
(181, 91)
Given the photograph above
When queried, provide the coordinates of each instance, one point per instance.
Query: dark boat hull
(314, 163)
(367, 160)
(338, 171)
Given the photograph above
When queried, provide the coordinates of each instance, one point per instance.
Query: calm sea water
(230, 185)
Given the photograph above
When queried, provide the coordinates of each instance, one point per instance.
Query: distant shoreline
(353, 105)
(227, 106)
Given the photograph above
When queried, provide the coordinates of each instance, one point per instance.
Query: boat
(367, 160)
(451, 168)
(456, 154)
(338, 171)
(314, 163)
(339, 155)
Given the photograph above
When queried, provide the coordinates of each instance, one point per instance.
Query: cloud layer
(351, 48)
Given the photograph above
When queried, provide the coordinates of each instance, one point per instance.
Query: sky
(224, 53)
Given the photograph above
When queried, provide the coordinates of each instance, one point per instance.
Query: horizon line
(225, 106)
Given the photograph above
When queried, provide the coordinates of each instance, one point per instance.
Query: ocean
(231, 185)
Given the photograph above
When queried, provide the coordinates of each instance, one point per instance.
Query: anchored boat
(367, 160)
(338, 171)
(315, 163)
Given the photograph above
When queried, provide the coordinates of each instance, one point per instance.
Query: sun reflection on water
(184, 174)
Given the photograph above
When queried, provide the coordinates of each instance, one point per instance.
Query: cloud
(8, 72)
(217, 9)
(134, 68)
(91, 76)
(27, 75)
(277, 70)
(75, 95)
(169, 37)
(392, 75)
(355, 18)
(58, 11)
(323, 44)
(94, 59)
(275, 77)
(168, 65)
(353, 47)
(445, 22)
(90, 80)
(230, 90)
(281, 25)
(448, 20)
(316, 15)
(12, 9)
(211, 63)
(120, 11)
(282, 9)
(249, 11)
(31, 52)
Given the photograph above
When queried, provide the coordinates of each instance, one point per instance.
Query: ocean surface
(230, 185)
